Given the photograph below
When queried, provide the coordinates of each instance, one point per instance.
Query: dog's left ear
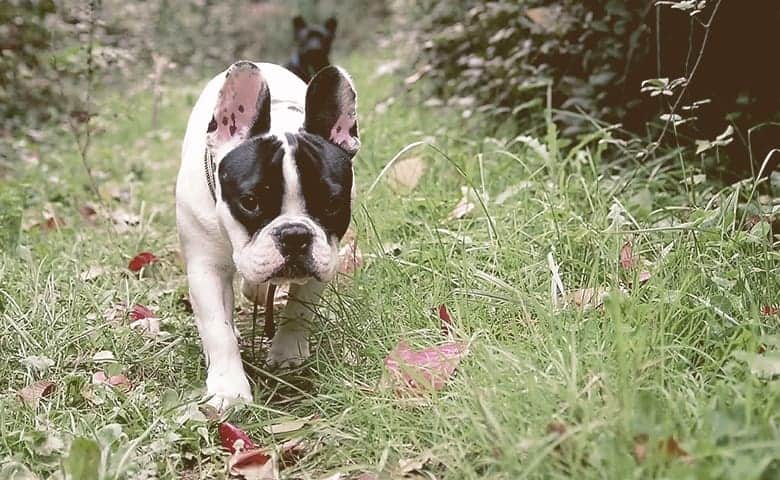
(331, 108)
(331, 24)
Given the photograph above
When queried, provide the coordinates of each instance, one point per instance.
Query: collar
(209, 167)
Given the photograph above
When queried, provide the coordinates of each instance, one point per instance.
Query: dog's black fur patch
(325, 173)
(312, 47)
(254, 168)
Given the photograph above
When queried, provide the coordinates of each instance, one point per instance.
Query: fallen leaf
(765, 365)
(113, 191)
(769, 310)
(149, 325)
(92, 273)
(409, 465)
(119, 382)
(464, 207)
(37, 363)
(544, 17)
(32, 394)
(586, 298)
(51, 222)
(351, 258)
(139, 312)
(427, 369)
(141, 260)
(644, 276)
(674, 450)
(627, 259)
(447, 325)
(254, 464)
(287, 427)
(406, 173)
(104, 356)
(229, 434)
(88, 213)
(367, 476)
(556, 428)
(640, 447)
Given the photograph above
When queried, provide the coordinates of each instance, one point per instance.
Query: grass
(545, 392)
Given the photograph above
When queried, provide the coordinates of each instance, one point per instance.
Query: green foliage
(504, 53)
(24, 39)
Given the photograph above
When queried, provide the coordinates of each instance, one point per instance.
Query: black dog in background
(312, 47)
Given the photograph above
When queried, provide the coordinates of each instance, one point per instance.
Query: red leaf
(426, 369)
(229, 434)
(447, 325)
(139, 312)
(141, 260)
(769, 310)
(627, 258)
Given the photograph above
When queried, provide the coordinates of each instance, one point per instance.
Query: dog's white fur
(214, 244)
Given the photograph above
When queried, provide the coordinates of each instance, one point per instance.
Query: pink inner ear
(340, 133)
(236, 109)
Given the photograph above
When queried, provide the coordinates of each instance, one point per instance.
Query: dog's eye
(249, 202)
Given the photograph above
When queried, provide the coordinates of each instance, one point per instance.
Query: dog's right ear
(243, 109)
(298, 24)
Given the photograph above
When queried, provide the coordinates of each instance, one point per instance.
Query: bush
(501, 55)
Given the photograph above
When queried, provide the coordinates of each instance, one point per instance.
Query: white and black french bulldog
(312, 47)
(265, 189)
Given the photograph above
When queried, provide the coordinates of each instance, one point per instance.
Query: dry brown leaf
(149, 326)
(286, 427)
(464, 207)
(89, 213)
(92, 273)
(544, 17)
(586, 298)
(409, 465)
(406, 173)
(674, 450)
(31, 394)
(351, 258)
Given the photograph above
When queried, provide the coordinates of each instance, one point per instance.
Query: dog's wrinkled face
(284, 199)
(313, 42)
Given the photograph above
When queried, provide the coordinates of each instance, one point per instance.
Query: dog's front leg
(290, 346)
(211, 291)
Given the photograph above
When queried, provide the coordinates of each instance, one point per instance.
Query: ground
(668, 377)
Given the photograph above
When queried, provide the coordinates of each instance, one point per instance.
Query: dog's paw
(227, 390)
(287, 351)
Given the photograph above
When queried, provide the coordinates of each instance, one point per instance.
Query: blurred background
(707, 64)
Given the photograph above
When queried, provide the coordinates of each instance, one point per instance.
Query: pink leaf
(141, 260)
(229, 434)
(627, 258)
(427, 369)
(253, 464)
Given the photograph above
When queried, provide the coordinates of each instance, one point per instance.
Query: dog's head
(313, 42)
(284, 199)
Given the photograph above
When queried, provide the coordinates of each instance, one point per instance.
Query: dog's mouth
(294, 271)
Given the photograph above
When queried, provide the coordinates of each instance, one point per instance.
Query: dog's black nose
(294, 239)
